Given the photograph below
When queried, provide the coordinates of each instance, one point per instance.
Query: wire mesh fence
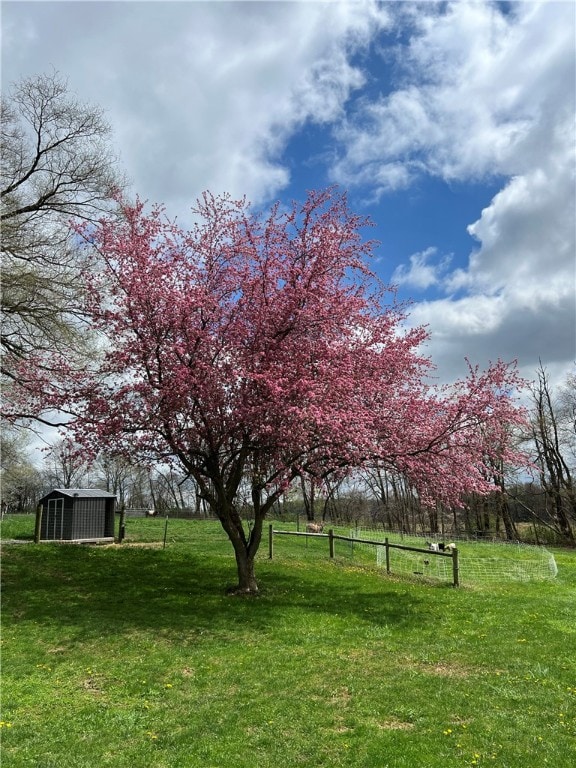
(478, 562)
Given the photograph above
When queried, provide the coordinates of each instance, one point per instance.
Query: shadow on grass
(94, 590)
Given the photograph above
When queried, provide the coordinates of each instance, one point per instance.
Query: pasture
(134, 656)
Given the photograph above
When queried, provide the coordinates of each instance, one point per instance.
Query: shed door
(55, 519)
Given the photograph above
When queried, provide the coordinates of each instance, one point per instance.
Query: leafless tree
(173, 492)
(22, 483)
(64, 467)
(548, 433)
(56, 168)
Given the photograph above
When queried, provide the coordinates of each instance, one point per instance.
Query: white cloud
(483, 92)
(203, 95)
(486, 95)
(509, 326)
(422, 274)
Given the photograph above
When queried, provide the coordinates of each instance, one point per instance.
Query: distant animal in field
(314, 527)
(440, 546)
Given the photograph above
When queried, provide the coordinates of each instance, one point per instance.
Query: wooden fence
(332, 537)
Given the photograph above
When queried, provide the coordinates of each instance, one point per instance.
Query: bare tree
(566, 407)
(173, 491)
(56, 167)
(22, 483)
(64, 467)
(115, 474)
(309, 486)
(556, 476)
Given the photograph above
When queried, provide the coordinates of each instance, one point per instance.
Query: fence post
(270, 540)
(331, 542)
(165, 532)
(455, 569)
(37, 527)
(121, 528)
(387, 548)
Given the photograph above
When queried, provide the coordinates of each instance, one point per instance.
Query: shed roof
(84, 493)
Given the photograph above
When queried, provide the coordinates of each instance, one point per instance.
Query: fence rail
(332, 537)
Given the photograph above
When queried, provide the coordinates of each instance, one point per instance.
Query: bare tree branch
(56, 168)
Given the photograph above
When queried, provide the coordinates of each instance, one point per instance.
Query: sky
(451, 125)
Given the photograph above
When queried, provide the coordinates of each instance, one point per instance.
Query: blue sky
(450, 124)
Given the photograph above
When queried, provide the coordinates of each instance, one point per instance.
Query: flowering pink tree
(254, 350)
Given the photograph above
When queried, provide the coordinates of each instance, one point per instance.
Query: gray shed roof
(85, 493)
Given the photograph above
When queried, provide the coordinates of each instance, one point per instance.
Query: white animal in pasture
(314, 527)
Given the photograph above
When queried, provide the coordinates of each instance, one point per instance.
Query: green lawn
(134, 656)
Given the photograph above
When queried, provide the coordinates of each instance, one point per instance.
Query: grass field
(134, 656)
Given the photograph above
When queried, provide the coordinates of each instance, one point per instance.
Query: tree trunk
(245, 545)
(247, 584)
(509, 524)
(309, 498)
(433, 519)
(245, 549)
(502, 506)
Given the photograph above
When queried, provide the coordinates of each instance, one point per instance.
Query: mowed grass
(134, 656)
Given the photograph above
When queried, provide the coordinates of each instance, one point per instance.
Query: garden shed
(77, 514)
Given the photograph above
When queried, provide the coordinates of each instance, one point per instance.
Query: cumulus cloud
(483, 92)
(486, 94)
(510, 327)
(422, 274)
(202, 95)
